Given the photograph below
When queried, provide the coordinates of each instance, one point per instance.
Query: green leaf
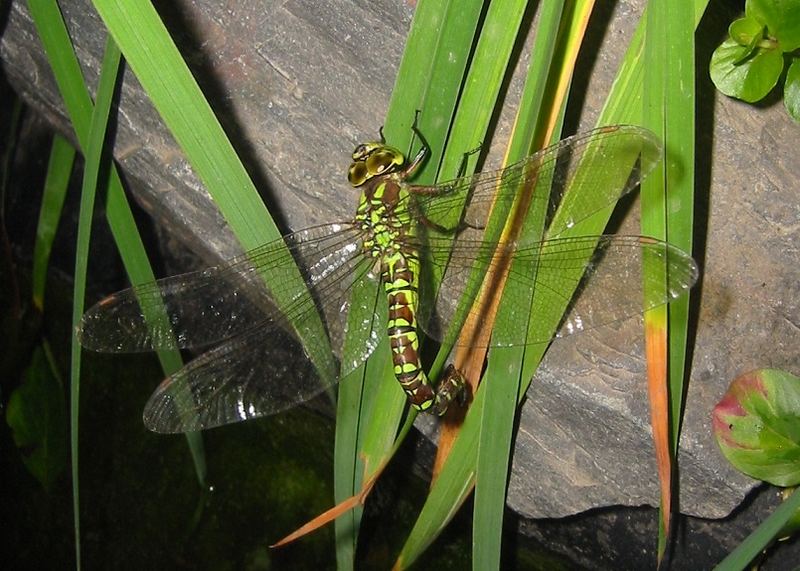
(760, 539)
(782, 19)
(36, 415)
(59, 168)
(744, 30)
(792, 526)
(791, 91)
(155, 60)
(746, 78)
(757, 426)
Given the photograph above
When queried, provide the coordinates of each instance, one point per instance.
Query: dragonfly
(284, 322)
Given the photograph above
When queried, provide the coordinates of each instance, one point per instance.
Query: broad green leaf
(36, 414)
(791, 91)
(752, 78)
(757, 426)
(782, 19)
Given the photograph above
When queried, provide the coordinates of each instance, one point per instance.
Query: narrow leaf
(59, 168)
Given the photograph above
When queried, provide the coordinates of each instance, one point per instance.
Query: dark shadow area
(596, 31)
(620, 537)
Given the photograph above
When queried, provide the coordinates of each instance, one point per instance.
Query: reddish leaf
(757, 426)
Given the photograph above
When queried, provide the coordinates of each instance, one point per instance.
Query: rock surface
(298, 83)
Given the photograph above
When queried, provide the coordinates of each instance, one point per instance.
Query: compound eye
(357, 175)
(379, 162)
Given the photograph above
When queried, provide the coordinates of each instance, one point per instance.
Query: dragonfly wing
(608, 161)
(262, 372)
(589, 280)
(267, 369)
(217, 303)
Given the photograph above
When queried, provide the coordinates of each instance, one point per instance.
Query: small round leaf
(757, 426)
(744, 30)
(742, 77)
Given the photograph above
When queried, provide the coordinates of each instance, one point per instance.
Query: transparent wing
(208, 306)
(263, 371)
(613, 278)
(590, 171)
(261, 367)
(611, 161)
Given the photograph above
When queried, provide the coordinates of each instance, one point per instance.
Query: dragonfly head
(371, 160)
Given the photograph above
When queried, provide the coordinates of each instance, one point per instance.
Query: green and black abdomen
(400, 273)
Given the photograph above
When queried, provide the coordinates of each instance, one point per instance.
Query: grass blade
(457, 475)
(431, 76)
(59, 168)
(653, 223)
(622, 106)
(159, 67)
(93, 155)
(64, 63)
(667, 213)
(429, 80)
(757, 541)
(162, 72)
(503, 374)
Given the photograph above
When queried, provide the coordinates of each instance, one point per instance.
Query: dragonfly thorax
(373, 159)
(383, 216)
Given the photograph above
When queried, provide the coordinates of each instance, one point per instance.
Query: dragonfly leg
(462, 166)
(417, 134)
(452, 386)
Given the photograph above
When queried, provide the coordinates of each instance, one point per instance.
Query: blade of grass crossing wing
(354, 404)
(532, 132)
(489, 67)
(131, 248)
(93, 154)
(508, 367)
(667, 199)
(653, 222)
(64, 63)
(59, 168)
(162, 72)
(457, 475)
(503, 374)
